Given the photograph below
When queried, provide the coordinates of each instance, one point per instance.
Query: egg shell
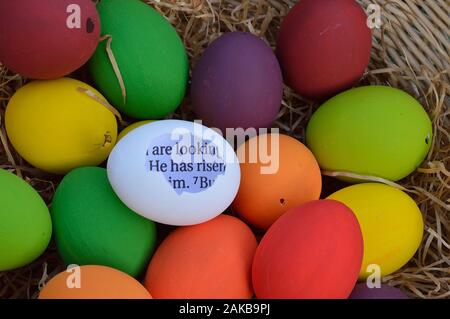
(57, 128)
(92, 226)
(374, 130)
(131, 127)
(25, 225)
(207, 261)
(150, 56)
(361, 291)
(37, 42)
(96, 282)
(312, 251)
(237, 83)
(149, 174)
(391, 224)
(265, 196)
(324, 46)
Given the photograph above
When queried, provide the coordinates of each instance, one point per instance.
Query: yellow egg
(130, 128)
(57, 126)
(391, 224)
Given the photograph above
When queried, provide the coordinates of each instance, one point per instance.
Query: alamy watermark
(73, 280)
(208, 145)
(374, 279)
(373, 16)
(73, 20)
(74, 16)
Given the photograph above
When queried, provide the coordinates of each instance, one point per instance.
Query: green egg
(374, 130)
(150, 56)
(93, 227)
(25, 224)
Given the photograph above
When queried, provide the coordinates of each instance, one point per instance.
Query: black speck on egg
(90, 26)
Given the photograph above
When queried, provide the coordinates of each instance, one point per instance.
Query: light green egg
(25, 224)
(374, 130)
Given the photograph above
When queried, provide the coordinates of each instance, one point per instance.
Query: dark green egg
(150, 56)
(93, 227)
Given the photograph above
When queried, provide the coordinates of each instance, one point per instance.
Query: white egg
(175, 172)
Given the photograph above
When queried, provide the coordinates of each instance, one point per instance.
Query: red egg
(324, 46)
(212, 260)
(313, 251)
(46, 39)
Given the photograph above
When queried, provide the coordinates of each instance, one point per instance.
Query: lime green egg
(25, 224)
(374, 131)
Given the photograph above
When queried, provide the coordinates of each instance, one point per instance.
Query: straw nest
(410, 52)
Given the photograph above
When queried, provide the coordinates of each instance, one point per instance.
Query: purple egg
(237, 83)
(361, 291)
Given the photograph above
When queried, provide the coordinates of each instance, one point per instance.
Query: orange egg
(93, 282)
(277, 173)
(206, 261)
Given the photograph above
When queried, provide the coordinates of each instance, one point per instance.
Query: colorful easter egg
(237, 83)
(59, 125)
(277, 173)
(92, 226)
(312, 251)
(93, 282)
(130, 128)
(374, 130)
(46, 39)
(210, 260)
(149, 56)
(175, 172)
(362, 291)
(25, 225)
(324, 46)
(391, 224)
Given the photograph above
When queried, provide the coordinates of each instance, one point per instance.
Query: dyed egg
(130, 128)
(324, 46)
(361, 291)
(149, 56)
(391, 224)
(25, 225)
(374, 130)
(312, 251)
(235, 61)
(56, 127)
(277, 173)
(93, 282)
(93, 227)
(175, 172)
(210, 260)
(47, 39)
